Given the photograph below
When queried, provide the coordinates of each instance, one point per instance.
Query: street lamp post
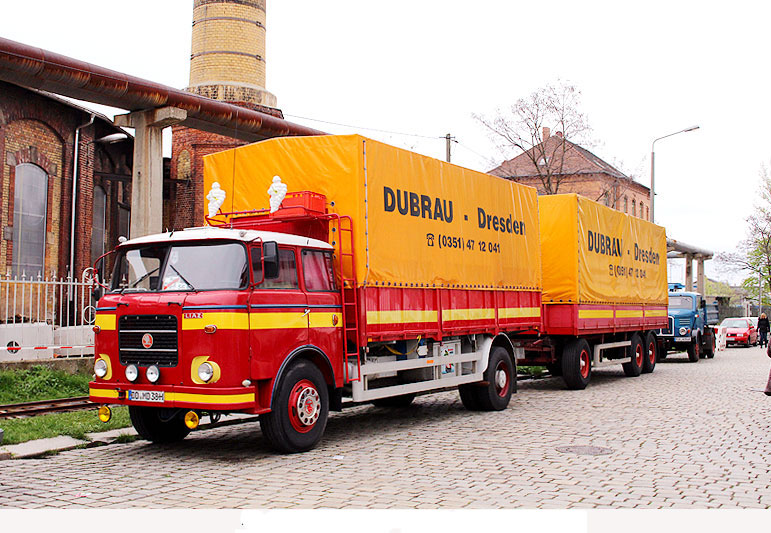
(653, 156)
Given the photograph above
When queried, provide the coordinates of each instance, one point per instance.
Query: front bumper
(205, 398)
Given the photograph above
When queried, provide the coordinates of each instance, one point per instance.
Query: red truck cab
(203, 320)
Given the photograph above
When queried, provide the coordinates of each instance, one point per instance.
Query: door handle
(306, 313)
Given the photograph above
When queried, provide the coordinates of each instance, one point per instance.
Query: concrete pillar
(689, 272)
(147, 178)
(700, 275)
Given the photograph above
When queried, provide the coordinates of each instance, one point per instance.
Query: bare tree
(526, 126)
(754, 252)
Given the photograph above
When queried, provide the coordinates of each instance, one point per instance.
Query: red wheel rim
(502, 379)
(304, 406)
(638, 355)
(585, 364)
(652, 352)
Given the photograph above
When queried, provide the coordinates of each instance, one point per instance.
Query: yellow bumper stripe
(105, 321)
(188, 397)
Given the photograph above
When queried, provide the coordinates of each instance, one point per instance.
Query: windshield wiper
(183, 278)
(153, 271)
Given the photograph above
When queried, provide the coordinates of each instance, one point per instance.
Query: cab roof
(213, 233)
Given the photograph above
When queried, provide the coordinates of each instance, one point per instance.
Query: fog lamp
(153, 374)
(132, 373)
(105, 413)
(100, 368)
(191, 419)
(205, 372)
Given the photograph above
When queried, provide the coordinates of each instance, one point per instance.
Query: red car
(740, 331)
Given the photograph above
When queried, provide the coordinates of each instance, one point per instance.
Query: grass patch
(40, 383)
(75, 424)
(532, 371)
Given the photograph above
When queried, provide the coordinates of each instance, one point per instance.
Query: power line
(365, 128)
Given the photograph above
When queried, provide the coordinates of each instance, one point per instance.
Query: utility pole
(449, 141)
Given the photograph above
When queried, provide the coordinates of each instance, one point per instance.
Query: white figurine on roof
(216, 198)
(277, 192)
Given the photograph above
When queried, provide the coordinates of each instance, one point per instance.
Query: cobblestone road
(686, 436)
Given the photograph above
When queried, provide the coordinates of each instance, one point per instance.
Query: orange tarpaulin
(595, 254)
(418, 221)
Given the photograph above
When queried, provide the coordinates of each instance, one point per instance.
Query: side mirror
(270, 259)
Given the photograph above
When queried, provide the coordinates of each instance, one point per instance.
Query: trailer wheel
(576, 364)
(300, 410)
(637, 352)
(495, 392)
(650, 355)
(403, 400)
(694, 350)
(158, 424)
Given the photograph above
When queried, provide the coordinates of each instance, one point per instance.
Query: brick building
(38, 133)
(227, 63)
(576, 170)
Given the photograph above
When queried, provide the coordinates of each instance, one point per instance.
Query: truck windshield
(186, 267)
(680, 302)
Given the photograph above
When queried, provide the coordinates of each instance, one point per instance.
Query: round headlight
(205, 372)
(132, 372)
(683, 330)
(153, 373)
(100, 368)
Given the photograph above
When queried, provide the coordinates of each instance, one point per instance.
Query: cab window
(287, 270)
(318, 272)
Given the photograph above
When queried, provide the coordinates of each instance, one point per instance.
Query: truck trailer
(379, 275)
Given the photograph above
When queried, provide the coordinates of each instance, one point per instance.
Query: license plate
(146, 396)
(682, 339)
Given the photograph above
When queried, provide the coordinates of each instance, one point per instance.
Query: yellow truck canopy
(417, 221)
(594, 254)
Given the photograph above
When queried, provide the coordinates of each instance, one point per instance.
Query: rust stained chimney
(546, 133)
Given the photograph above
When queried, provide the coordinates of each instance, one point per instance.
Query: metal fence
(46, 318)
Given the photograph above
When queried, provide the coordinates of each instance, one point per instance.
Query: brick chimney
(546, 133)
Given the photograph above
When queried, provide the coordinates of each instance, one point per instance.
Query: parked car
(754, 321)
(740, 331)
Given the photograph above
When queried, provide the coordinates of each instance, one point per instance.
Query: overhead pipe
(28, 66)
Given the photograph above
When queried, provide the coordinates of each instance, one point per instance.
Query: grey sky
(423, 67)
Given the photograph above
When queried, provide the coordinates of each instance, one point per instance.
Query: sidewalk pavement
(40, 447)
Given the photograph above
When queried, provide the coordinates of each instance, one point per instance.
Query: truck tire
(494, 393)
(637, 353)
(694, 350)
(576, 364)
(300, 410)
(403, 400)
(651, 354)
(158, 424)
(709, 348)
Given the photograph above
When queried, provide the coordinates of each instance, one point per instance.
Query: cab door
(325, 325)
(278, 313)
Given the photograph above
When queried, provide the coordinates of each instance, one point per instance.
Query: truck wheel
(576, 364)
(637, 352)
(403, 400)
(709, 349)
(694, 350)
(158, 424)
(495, 392)
(649, 363)
(300, 410)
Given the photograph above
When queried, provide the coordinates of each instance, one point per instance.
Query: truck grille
(132, 330)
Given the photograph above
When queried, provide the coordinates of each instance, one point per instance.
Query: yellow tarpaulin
(418, 221)
(595, 254)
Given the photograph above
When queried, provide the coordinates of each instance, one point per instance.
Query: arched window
(98, 223)
(30, 198)
(647, 213)
(626, 204)
(634, 208)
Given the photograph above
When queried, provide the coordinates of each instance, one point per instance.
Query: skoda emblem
(147, 340)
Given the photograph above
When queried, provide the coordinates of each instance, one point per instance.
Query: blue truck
(690, 318)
